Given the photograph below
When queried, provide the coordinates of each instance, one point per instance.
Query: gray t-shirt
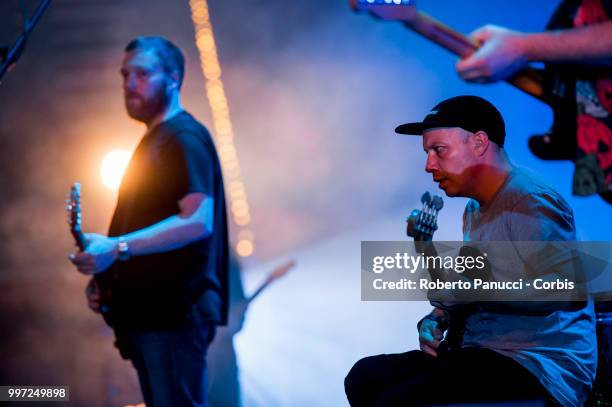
(560, 348)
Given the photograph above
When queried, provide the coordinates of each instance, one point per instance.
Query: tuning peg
(425, 198)
(437, 203)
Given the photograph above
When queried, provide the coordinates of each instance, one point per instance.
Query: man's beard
(148, 108)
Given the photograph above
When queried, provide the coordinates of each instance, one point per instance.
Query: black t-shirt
(164, 290)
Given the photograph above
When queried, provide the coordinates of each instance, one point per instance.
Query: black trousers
(416, 379)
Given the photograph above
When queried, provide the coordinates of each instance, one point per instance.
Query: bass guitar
(528, 80)
(74, 221)
(277, 273)
(554, 90)
(421, 225)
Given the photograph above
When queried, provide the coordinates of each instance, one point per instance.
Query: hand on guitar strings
(429, 337)
(431, 331)
(502, 54)
(100, 254)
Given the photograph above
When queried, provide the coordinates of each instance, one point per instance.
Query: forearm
(192, 223)
(170, 234)
(173, 232)
(590, 45)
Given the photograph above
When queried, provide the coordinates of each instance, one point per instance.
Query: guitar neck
(79, 238)
(528, 80)
(441, 34)
(260, 289)
(275, 275)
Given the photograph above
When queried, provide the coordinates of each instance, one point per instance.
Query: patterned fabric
(591, 90)
(594, 121)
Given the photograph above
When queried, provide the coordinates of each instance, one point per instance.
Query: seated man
(505, 353)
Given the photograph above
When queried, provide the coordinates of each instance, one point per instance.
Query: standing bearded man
(160, 276)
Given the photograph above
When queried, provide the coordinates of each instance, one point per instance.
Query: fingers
(81, 259)
(92, 294)
(428, 349)
(86, 268)
(464, 65)
(429, 345)
(93, 297)
(430, 331)
(94, 305)
(91, 287)
(482, 34)
(428, 340)
(467, 67)
(475, 67)
(438, 335)
(472, 70)
(433, 343)
(84, 262)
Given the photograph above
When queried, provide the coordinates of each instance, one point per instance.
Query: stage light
(113, 167)
(222, 124)
(244, 248)
(242, 220)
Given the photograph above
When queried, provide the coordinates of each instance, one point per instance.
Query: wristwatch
(124, 250)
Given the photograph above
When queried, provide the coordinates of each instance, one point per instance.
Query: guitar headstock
(74, 214)
(421, 224)
(392, 10)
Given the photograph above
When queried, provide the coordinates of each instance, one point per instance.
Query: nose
(431, 164)
(129, 82)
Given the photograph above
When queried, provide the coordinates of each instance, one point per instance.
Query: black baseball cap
(471, 113)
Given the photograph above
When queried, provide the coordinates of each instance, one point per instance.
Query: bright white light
(112, 168)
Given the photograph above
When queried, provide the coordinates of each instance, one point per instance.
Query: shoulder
(529, 191)
(538, 210)
(185, 133)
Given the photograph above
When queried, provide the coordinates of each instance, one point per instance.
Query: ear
(480, 142)
(174, 80)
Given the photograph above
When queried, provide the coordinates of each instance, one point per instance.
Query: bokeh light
(112, 168)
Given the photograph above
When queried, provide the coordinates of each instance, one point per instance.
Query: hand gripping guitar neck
(74, 220)
(421, 225)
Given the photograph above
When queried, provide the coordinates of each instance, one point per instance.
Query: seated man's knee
(358, 377)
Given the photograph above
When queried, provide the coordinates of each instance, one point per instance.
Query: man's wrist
(526, 45)
(123, 249)
(534, 46)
